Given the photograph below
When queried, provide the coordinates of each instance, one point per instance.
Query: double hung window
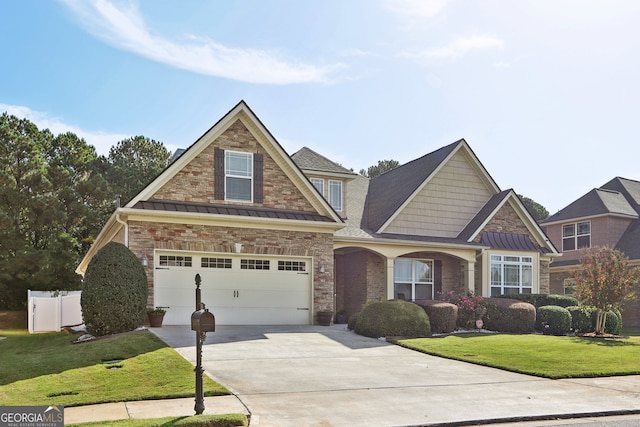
(238, 176)
(413, 279)
(335, 195)
(576, 236)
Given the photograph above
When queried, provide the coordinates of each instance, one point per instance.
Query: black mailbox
(203, 321)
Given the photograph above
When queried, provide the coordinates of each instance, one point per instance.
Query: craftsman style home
(278, 237)
(605, 216)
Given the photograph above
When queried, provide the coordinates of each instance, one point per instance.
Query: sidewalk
(152, 409)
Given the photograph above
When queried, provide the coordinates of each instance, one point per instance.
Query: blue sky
(545, 91)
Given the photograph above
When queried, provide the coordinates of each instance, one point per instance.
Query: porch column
(390, 276)
(469, 276)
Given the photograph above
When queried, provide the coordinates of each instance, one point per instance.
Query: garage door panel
(235, 296)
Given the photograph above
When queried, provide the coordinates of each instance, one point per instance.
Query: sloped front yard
(47, 369)
(540, 355)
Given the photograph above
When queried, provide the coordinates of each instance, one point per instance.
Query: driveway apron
(329, 376)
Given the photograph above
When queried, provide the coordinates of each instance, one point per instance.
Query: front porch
(366, 273)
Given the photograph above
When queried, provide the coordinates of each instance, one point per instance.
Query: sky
(545, 92)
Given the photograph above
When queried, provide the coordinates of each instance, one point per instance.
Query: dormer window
(319, 184)
(576, 236)
(335, 195)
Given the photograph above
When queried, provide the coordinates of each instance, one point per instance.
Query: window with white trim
(175, 261)
(206, 262)
(254, 264)
(413, 279)
(238, 169)
(335, 195)
(292, 266)
(511, 274)
(576, 236)
(319, 184)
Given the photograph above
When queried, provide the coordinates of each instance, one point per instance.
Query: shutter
(218, 174)
(437, 277)
(258, 164)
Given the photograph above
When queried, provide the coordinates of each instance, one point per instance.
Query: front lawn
(539, 355)
(47, 369)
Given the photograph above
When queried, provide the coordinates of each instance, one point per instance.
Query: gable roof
(507, 240)
(389, 192)
(241, 112)
(310, 161)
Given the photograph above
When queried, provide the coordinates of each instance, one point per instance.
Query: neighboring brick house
(277, 238)
(605, 216)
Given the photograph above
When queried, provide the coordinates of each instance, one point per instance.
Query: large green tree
(382, 167)
(133, 163)
(604, 281)
(538, 212)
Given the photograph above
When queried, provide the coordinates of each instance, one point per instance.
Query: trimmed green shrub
(539, 300)
(613, 324)
(442, 316)
(114, 292)
(581, 319)
(351, 323)
(509, 315)
(393, 318)
(553, 319)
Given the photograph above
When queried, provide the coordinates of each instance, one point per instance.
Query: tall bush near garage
(114, 292)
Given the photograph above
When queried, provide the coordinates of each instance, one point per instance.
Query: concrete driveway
(328, 376)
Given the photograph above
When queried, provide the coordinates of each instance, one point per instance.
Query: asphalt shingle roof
(387, 192)
(307, 159)
(483, 214)
(598, 201)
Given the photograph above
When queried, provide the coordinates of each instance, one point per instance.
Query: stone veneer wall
(144, 237)
(507, 220)
(195, 182)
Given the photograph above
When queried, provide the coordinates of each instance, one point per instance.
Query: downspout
(126, 228)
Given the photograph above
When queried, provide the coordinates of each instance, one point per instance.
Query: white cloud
(125, 28)
(457, 48)
(102, 141)
(413, 9)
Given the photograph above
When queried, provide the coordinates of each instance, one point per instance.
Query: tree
(538, 211)
(133, 163)
(382, 167)
(604, 281)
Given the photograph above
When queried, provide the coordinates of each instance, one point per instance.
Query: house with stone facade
(605, 216)
(278, 237)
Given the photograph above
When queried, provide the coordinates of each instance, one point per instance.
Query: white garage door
(237, 289)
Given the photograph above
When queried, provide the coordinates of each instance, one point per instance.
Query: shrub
(509, 315)
(470, 307)
(114, 294)
(392, 318)
(581, 318)
(351, 323)
(613, 324)
(539, 300)
(442, 315)
(553, 319)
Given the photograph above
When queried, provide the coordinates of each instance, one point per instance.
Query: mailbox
(203, 321)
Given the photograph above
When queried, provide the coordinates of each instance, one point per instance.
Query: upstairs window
(238, 169)
(335, 195)
(576, 236)
(319, 184)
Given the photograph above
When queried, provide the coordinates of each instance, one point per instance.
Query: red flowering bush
(470, 307)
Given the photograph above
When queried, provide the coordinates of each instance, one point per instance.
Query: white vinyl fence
(51, 311)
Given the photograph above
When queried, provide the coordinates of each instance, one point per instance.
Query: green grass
(230, 420)
(539, 355)
(47, 369)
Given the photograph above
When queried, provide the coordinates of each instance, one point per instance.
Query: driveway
(328, 376)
